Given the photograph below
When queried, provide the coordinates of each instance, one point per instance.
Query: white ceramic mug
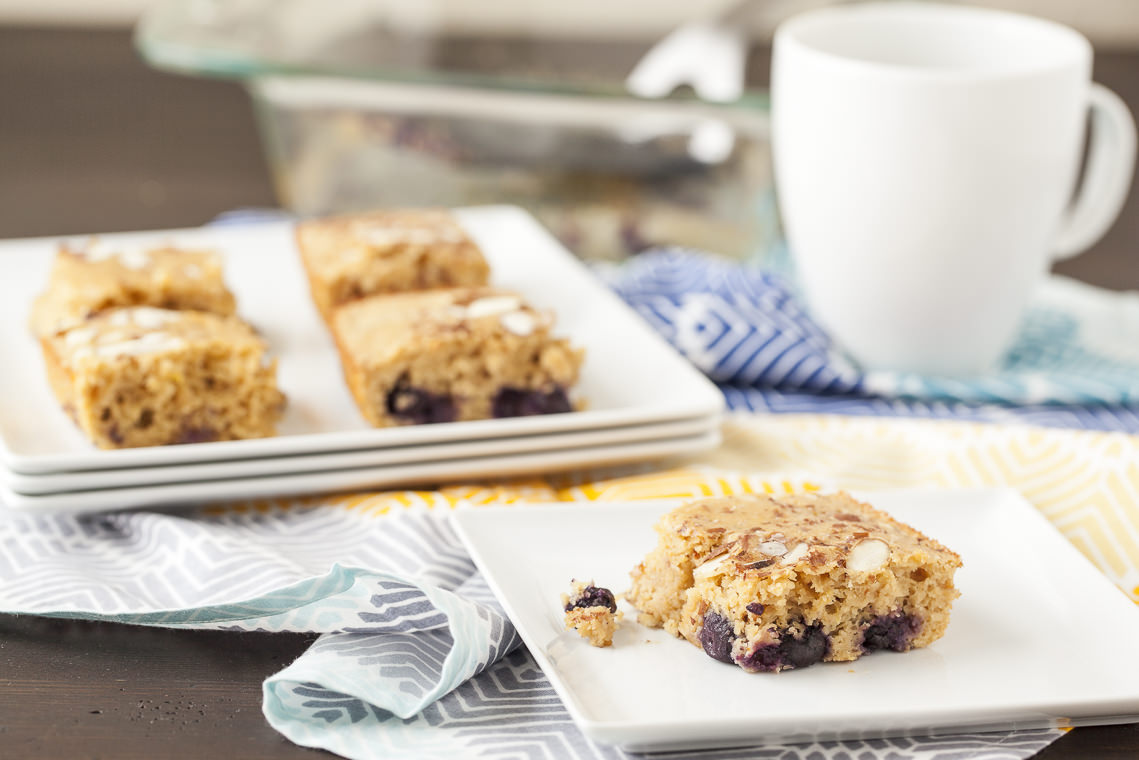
(925, 159)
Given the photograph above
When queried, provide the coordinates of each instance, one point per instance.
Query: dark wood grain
(91, 140)
(77, 689)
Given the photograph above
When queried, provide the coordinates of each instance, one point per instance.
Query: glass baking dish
(373, 103)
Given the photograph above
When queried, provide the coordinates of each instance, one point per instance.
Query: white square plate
(1038, 637)
(433, 471)
(631, 376)
(388, 456)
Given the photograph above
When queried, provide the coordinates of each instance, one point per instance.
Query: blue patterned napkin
(746, 328)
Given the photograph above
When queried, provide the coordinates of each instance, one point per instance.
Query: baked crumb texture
(142, 376)
(350, 257)
(777, 583)
(592, 612)
(85, 281)
(452, 354)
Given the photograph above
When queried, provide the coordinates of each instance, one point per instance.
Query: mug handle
(1107, 176)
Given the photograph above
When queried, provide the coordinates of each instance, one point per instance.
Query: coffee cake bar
(141, 376)
(349, 257)
(452, 354)
(776, 583)
(86, 280)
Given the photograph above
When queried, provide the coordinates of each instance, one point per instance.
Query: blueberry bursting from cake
(773, 584)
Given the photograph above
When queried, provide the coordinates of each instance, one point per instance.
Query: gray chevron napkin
(416, 660)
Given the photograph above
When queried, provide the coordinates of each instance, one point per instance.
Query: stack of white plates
(642, 400)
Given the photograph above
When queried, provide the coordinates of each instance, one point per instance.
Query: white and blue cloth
(1075, 362)
(416, 658)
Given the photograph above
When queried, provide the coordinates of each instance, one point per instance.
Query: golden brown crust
(466, 344)
(775, 567)
(141, 376)
(594, 624)
(86, 281)
(357, 255)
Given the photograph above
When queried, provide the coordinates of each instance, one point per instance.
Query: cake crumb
(591, 611)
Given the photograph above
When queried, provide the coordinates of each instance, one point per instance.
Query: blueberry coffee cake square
(773, 583)
(591, 611)
(86, 280)
(349, 257)
(141, 376)
(453, 354)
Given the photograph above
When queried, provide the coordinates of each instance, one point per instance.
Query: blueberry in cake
(771, 584)
(592, 612)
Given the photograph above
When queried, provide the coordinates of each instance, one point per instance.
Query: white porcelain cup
(925, 161)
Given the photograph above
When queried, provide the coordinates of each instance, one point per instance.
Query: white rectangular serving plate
(1038, 637)
(631, 376)
(423, 473)
(134, 477)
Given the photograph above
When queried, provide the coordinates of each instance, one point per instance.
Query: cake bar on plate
(453, 354)
(354, 256)
(141, 376)
(102, 275)
(772, 583)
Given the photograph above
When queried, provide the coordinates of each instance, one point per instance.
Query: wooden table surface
(93, 141)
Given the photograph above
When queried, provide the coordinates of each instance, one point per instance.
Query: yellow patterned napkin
(1085, 482)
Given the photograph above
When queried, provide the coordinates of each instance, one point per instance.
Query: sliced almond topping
(795, 554)
(79, 336)
(134, 258)
(151, 343)
(518, 322)
(490, 305)
(98, 250)
(773, 548)
(151, 318)
(712, 567)
(868, 556)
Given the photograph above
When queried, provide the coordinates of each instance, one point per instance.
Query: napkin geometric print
(416, 658)
(745, 327)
